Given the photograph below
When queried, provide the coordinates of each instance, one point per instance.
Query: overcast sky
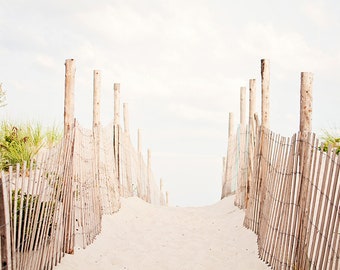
(180, 64)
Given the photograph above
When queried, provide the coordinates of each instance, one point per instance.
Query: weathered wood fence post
(70, 71)
(140, 186)
(149, 176)
(265, 79)
(161, 196)
(229, 162)
(265, 104)
(126, 118)
(224, 177)
(231, 156)
(251, 137)
(127, 141)
(242, 177)
(306, 100)
(252, 102)
(69, 124)
(116, 135)
(116, 117)
(96, 98)
(243, 104)
(96, 107)
(96, 112)
(231, 125)
(96, 130)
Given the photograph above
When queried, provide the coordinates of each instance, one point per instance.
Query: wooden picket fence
(290, 190)
(57, 203)
(294, 202)
(38, 210)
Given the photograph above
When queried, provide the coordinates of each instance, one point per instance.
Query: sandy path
(146, 237)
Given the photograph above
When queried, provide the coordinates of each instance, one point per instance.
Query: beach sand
(142, 236)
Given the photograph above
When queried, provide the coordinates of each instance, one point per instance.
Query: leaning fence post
(5, 234)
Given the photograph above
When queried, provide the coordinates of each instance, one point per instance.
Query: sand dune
(147, 237)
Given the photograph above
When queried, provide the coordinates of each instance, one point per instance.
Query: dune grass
(20, 143)
(330, 139)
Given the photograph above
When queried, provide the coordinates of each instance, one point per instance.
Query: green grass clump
(330, 140)
(21, 143)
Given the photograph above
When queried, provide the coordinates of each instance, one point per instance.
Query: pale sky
(180, 64)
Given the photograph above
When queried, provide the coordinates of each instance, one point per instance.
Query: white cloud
(187, 112)
(112, 23)
(320, 14)
(46, 61)
(289, 50)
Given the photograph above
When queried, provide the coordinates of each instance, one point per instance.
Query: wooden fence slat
(286, 179)
(292, 188)
(319, 206)
(291, 229)
(330, 222)
(258, 183)
(272, 201)
(277, 204)
(263, 191)
(335, 260)
(268, 203)
(66, 191)
(54, 252)
(302, 192)
(5, 234)
(282, 212)
(285, 235)
(310, 205)
(29, 216)
(325, 209)
(316, 180)
(251, 218)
